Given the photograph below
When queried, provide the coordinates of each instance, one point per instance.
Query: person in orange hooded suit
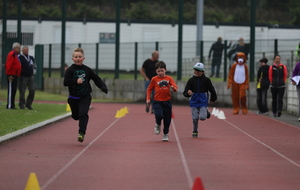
(238, 81)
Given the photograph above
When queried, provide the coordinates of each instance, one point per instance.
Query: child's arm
(68, 79)
(98, 81)
(149, 90)
(211, 89)
(173, 85)
(187, 90)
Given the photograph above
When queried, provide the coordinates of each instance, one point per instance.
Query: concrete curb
(33, 127)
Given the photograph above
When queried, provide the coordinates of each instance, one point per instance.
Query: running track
(241, 152)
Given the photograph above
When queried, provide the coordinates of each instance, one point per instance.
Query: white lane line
(275, 151)
(76, 157)
(184, 162)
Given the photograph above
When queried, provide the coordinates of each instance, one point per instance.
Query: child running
(161, 101)
(197, 88)
(77, 78)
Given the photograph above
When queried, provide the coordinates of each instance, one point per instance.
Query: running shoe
(299, 119)
(208, 114)
(279, 114)
(157, 129)
(195, 134)
(80, 137)
(165, 137)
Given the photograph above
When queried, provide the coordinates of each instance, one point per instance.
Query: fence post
(156, 46)
(97, 58)
(225, 62)
(50, 61)
(39, 59)
(201, 51)
(276, 46)
(135, 60)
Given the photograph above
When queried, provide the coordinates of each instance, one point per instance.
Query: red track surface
(242, 152)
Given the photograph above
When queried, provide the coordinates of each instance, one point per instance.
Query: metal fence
(102, 56)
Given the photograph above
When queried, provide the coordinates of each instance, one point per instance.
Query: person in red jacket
(13, 71)
(277, 75)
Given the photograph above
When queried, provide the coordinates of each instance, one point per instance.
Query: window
(27, 38)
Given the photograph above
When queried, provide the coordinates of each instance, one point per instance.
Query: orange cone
(198, 184)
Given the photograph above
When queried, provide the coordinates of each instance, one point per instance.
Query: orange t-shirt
(161, 86)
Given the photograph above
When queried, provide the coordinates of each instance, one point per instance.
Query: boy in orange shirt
(161, 101)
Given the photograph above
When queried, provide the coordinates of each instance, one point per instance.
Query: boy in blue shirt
(197, 89)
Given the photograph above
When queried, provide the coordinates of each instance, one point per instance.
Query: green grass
(13, 120)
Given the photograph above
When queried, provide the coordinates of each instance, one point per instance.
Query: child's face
(198, 73)
(161, 72)
(78, 58)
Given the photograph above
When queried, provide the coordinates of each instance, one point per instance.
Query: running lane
(241, 152)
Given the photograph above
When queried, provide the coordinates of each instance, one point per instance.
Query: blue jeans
(261, 100)
(216, 63)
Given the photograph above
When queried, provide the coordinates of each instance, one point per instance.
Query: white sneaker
(157, 129)
(165, 137)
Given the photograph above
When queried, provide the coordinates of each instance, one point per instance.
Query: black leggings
(277, 99)
(80, 109)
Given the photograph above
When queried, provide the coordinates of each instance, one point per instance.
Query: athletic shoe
(299, 119)
(157, 129)
(147, 108)
(279, 114)
(195, 134)
(165, 138)
(208, 114)
(80, 137)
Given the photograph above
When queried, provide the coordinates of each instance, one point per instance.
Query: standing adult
(262, 86)
(295, 81)
(148, 71)
(217, 49)
(13, 71)
(277, 75)
(26, 79)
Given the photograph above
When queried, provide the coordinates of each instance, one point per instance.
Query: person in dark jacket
(197, 89)
(13, 71)
(277, 76)
(26, 79)
(77, 78)
(217, 49)
(262, 86)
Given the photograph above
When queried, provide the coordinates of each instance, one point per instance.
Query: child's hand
(293, 82)
(79, 81)
(148, 102)
(190, 92)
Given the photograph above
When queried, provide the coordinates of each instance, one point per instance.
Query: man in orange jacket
(238, 81)
(13, 71)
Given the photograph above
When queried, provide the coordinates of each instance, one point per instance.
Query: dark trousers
(215, 63)
(261, 100)
(277, 99)
(23, 83)
(11, 93)
(163, 111)
(80, 109)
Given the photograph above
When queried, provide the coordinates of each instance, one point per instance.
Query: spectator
(217, 49)
(262, 86)
(13, 71)
(295, 81)
(148, 71)
(239, 47)
(26, 79)
(277, 75)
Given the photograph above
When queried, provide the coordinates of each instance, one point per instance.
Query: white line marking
(275, 151)
(76, 157)
(184, 162)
